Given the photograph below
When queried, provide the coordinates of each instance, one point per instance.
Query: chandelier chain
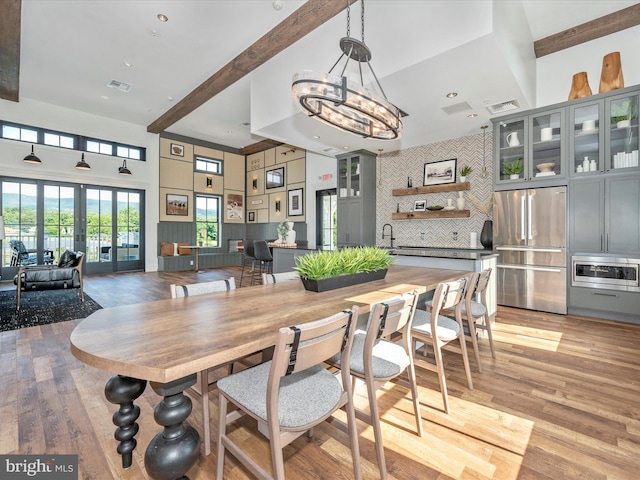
(362, 18)
(348, 18)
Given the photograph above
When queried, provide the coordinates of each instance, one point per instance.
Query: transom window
(208, 165)
(37, 135)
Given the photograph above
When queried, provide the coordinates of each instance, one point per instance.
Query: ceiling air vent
(457, 108)
(503, 107)
(120, 86)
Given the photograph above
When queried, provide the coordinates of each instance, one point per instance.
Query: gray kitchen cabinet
(605, 215)
(538, 142)
(356, 205)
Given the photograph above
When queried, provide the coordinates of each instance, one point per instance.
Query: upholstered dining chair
(279, 277)
(263, 256)
(376, 359)
(204, 385)
(437, 331)
(248, 258)
(293, 392)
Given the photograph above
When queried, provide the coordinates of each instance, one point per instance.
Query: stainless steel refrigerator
(529, 234)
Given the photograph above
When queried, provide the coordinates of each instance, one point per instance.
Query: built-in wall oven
(606, 272)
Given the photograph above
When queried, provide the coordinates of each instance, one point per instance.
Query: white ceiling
(71, 50)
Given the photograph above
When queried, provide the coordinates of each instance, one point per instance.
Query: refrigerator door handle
(530, 249)
(522, 231)
(536, 269)
(529, 212)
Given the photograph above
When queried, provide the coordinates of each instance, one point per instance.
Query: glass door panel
(128, 246)
(354, 180)
(99, 229)
(623, 134)
(586, 140)
(510, 148)
(546, 132)
(59, 219)
(19, 211)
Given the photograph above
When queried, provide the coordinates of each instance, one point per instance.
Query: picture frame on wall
(177, 205)
(295, 205)
(177, 149)
(235, 206)
(420, 206)
(251, 216)
(274, 178)
(444, 171)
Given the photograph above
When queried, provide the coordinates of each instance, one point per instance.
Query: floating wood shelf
(430, 215)
(447, 187)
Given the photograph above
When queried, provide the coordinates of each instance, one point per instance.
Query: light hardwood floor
(560, 401)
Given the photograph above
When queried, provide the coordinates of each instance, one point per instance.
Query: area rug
(43, 307)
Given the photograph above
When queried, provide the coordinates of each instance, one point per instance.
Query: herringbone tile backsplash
(396, 167)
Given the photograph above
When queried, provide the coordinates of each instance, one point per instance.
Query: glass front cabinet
(586, 137)
(621, 134)
(530, 148)
(349, 177)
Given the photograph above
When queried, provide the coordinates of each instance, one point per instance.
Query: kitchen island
(470, 260)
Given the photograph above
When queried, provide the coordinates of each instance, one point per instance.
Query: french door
(50, 217)
(326, 215)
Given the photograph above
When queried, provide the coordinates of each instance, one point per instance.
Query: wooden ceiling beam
(600, 27)
(259, 147)
(304, 20)
(10, 13)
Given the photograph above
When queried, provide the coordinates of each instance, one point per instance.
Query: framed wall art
(177, 205)
(294, 203)
(251, 216)
(440, 172)
(275, 178)
(419, 205)
(177, 149)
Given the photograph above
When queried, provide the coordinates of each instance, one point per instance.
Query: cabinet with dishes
(530, 148)
(604, 134)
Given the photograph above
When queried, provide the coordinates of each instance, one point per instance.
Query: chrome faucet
(390, 233)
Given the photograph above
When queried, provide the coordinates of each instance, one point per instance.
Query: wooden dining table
(167, 342)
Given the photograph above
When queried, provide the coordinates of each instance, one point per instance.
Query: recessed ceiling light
(346, 147)
(472, 115)
(170, 99)
(452, 94)
(229, 132)
(277, 4)
(104, 97)
(316, 137)
(127, 63)
(162, 17)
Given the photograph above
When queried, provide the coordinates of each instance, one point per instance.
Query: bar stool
(263, 255)
(249, 258)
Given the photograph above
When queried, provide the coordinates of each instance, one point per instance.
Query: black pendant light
(123, 170)
(31, 158)
(82, 165)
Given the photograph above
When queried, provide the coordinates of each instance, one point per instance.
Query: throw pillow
(182, 250)
(67, 259)
(166, 249)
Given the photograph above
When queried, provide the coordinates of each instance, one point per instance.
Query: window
(24, 133)
(208, 165)
(208, 220)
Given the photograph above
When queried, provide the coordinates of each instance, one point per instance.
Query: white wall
(555, 71)
(58, 163)
(317, 165)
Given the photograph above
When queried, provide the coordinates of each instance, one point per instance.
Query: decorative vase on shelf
(463, 178)
(486, 235)
(460, 201)
(514, 176)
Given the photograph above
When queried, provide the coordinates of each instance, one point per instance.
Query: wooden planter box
(325, 284)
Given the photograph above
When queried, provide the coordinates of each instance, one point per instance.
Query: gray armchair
(20, 255)
(67, 274)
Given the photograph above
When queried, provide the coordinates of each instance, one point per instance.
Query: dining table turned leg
(172, 452)
(123, 391)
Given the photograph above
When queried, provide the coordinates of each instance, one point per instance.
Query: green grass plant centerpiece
(329, 269)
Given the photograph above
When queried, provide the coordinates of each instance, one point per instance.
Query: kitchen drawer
(605, 300)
